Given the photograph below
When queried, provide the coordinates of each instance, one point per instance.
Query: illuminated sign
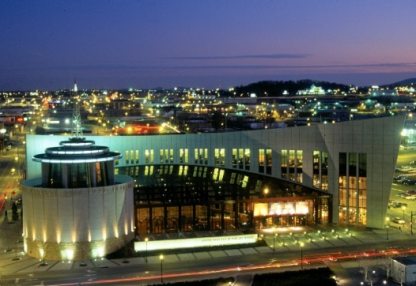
(281, 208)
(141, 246)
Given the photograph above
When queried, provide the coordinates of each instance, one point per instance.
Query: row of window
(352, 188)
(198, 172)
(291, 163)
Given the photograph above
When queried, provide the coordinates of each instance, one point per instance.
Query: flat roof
(406, 260)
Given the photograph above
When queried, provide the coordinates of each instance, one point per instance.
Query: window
(299, 166)
(148, 170)
(352, 188)
(166, 156)
(262, 160)
(291, 165)
(201, 156)
(269, 161)
(234, 158)
(320, 170)
(149, 156)
(247, 159)
(283, 163)
(137, 157)
(219, 156)
(241, 158)
(171, 156)
(183, 156)
(244, 182)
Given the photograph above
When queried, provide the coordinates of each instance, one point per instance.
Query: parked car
(398, 220)
(408, 182)
(395, 204)
(400, 178)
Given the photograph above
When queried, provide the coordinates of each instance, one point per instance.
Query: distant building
(313, 90)
(377, 91)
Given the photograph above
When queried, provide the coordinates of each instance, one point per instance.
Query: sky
(203, 43)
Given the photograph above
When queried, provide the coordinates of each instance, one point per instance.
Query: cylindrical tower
(79, 209)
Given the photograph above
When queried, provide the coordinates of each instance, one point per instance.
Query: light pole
(146, 240)
(387, 227)
(403, 209)
(301, 245)
(371, 278)
(161, 257)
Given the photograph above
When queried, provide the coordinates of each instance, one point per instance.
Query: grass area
(319, 276)
(405, 156)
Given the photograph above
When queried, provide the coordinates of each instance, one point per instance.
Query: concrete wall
(379, 138)
(66, 224)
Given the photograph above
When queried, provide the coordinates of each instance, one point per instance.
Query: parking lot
(402, 202)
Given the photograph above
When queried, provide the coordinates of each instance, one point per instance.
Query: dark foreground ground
(319, 276)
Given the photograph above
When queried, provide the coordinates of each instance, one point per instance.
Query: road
(10, 176)
(222, 266)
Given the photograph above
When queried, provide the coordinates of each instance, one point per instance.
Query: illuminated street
(325, 247)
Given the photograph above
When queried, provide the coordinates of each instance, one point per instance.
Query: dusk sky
(201, 43)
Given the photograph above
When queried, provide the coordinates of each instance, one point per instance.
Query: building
(403, 269)
(353, 161)
(75, 208)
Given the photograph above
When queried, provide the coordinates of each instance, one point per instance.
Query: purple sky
(203, 43)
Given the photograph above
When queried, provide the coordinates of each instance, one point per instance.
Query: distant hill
(402, 82)
(276, 88)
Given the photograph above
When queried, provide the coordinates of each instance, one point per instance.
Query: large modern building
(75, 208)
(349, 164)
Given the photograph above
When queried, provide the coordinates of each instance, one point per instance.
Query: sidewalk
(12, 260)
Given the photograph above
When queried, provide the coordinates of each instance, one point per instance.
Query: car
(400, 178)
(395, 204)
(409, 182)
(398, 220)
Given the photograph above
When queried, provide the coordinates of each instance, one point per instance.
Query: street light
(146, 240)
(372, 276)
(387, 227)
(403, 209)
(274, 242)
(161, 257)
(301, 245)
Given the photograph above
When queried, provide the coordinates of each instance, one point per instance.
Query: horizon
(208, 44)
(200, 87)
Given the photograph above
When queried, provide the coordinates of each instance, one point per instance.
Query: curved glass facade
(172, 198)
(82, 175)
